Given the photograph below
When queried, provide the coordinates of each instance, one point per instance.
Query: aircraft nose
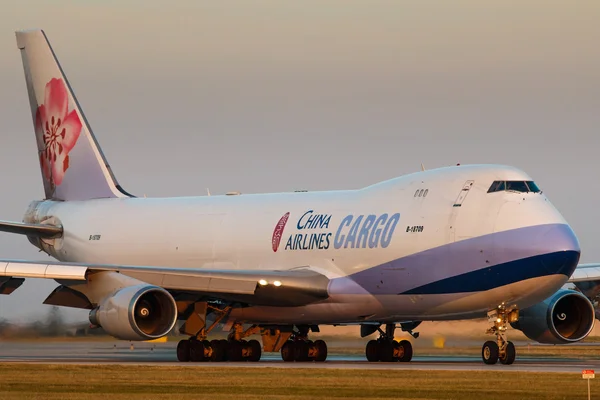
(559, 249)
(539, 250)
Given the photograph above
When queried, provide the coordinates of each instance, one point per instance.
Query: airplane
(452, 243)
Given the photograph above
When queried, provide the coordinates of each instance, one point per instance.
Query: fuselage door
(463, 193)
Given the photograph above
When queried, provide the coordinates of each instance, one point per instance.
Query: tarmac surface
(143, 353)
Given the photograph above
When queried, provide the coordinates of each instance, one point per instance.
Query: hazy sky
(261, 96)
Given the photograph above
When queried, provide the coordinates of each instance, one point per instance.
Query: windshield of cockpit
(514, 186)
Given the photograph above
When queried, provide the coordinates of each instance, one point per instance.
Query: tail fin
(73, 166)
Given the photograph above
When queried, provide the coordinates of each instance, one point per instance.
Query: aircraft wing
(586, 278)
(40, 230)
(586, 273)
(294, 287)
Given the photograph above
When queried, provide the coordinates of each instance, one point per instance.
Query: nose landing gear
(502, 349)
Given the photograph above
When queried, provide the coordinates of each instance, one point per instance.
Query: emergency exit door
(463, 193)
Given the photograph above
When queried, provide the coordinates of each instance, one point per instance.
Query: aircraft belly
(335, 310)
(359, 308)
(431, 307)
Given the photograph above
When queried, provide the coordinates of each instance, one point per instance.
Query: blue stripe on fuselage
(481, 256)
(559, 263)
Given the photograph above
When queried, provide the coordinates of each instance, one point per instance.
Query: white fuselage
(398, 250)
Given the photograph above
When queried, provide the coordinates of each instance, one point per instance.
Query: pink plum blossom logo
(59, 130)
(278, 231)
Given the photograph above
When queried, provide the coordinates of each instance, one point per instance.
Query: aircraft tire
(288, 351)
(489, 352)
(386, 351)
(255, 350)
(197, 351)
(397, 350)
(224, 349)
(372, 351)
(321, 350)
(217, 351)
(234, 352)
(183, 351)
(301, 351)
(510, 353)
(407, 351)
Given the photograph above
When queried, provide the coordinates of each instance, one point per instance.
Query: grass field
(134, 382)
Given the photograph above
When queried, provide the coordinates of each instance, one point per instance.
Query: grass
(19, 381)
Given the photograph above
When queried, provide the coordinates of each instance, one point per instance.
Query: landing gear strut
(387, 349)
(300, 348)
(501, 349)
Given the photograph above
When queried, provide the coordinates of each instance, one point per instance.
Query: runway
(94, 353)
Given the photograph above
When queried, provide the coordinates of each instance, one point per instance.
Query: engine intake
(140, 312)
(565, 317)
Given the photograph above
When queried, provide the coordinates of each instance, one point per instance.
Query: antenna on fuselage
(422, 167)
(208, 191)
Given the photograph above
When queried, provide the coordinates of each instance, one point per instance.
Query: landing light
(262, 282)
(277, 283)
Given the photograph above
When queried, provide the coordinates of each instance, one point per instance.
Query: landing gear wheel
(255, 350)
(398, 352)
(197, 351)
(288, 351)
(183, 350)
(224, 344)
(235, 351)
(405, 351)
(509, 354)
(321, 347)
(301, 350)
(217, 351)
(489, 352)
(386, 351)
(372, 351)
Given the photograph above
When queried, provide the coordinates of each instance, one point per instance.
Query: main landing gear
(387, 349)
(501, 349)
(300, 348)
(199, 349)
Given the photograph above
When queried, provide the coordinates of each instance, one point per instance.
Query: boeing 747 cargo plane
(445, 244)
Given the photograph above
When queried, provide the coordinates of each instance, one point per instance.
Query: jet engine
(565, 317)
(140, 312)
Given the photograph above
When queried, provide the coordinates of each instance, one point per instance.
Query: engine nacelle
(140, 312)
(565, 317)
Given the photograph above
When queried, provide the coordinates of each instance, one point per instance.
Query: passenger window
(425, 193)
(421, 193)
(416, 193)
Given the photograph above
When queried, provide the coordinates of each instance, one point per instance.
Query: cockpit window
(533, 187)
(514, 186)
(497, 186)
(517, 186)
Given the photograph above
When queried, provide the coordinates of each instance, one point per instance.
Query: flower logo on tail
(278, 232)
(59, 130)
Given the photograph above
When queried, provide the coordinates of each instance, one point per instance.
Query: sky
(268, 96)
